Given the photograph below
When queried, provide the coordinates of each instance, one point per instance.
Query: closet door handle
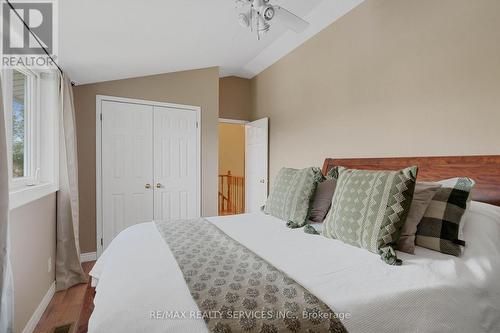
(159, 185)
(147, 186)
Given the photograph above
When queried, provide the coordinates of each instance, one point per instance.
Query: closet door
(127, 166)
(175, 164)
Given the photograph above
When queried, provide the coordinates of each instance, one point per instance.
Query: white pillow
(318, 227)
(482, 230)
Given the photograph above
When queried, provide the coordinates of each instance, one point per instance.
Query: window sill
(25, 194)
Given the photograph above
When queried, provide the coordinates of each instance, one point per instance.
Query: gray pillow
(322, 200)
(424, 192)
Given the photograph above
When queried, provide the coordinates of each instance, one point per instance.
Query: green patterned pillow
(369, 209)
(291, 194)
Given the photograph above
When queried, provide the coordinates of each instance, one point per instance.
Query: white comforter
(431, 292)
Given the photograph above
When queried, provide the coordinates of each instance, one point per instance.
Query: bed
(138, 280)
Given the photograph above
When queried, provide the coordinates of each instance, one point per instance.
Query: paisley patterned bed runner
(236, 290)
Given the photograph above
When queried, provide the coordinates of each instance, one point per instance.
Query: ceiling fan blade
(290, 20)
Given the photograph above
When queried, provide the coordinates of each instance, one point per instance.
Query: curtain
(6, 287)
(69, 270)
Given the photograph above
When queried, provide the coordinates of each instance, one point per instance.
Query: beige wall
(33, 242)
(232, 149)
(234, 98)
(198, 88)
(391, 78)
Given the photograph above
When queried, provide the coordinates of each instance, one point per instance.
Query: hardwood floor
(69, 307)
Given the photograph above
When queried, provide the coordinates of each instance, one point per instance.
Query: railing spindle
(231, 194)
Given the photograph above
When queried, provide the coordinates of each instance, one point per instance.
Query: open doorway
(231, 167)
(243, 164)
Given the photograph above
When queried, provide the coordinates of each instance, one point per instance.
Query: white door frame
(98, 150)
(233, 121)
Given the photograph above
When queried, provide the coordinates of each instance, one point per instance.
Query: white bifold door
(175, 164)
(149, 165)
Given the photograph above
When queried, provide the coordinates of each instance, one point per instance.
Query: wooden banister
(231, 194)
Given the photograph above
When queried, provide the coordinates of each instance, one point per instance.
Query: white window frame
(41, 144)
(31, 129)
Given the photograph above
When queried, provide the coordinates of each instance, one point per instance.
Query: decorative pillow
(322, 200)
(424, 192)
(317, 227)
(441, 227)
(369, 209)
(291, 195)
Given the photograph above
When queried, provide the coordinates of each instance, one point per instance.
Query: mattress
(137, 278)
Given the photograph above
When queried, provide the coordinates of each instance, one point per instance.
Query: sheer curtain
(68, 267)
(6, 287)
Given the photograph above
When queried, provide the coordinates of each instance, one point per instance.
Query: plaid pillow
(441, 227)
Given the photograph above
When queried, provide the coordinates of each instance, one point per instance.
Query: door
(256, 164)
(175, 164)
(127, 167)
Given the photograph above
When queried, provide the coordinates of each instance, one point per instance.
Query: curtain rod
(37, 39)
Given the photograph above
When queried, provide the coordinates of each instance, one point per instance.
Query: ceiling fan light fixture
(267, 12)
(262, 12)
(262, 26)
(244, 20)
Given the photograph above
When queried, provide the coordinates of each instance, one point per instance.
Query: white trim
(233, 121)
(99, 100)
(98, 175)
(86, 257)
(38, 130)
(26, 194)
(31, 126)
(35, 318)
(102, 98)
(198, 158)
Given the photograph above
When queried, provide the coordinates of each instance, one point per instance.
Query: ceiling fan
(261, 13)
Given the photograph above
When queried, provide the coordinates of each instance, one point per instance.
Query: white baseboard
(35, 318)
(91, 256)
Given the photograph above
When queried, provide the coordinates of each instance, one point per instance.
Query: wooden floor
(69, 307)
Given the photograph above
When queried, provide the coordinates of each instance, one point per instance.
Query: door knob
(262, 181)
(147, 186)
(158, 185)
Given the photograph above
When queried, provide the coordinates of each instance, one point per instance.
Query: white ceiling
(104, 40)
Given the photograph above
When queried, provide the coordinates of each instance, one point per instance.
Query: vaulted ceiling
(104, 40)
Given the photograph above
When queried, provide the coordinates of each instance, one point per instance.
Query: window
(24, 109)
(32, 139)
(21, 94)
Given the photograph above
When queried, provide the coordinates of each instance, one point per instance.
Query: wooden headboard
(485, 170)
